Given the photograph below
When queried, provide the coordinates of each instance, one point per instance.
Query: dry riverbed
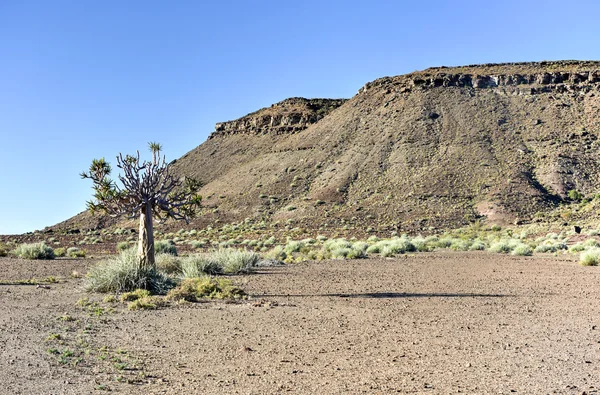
(436, 323)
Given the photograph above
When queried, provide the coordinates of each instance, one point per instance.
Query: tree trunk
(145, 253)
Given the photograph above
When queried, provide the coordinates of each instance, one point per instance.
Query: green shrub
(168, 263)
(293, 246)
(195, 266)
(522, 250)
(4, 249)
(235, 261)
(374, 249)
(477, 245)
(198, 244)
(134, 295)
(575, 195)
(590, 257)
(501, 247)
(123, 245)
(445, 242)
(579, 247)
(278, 253)
(165, 247)
(460, 245)
(340, 253)
(60, 252)
(196, 289)
(591, 243)
(543, 248)
(121, 274)
(146, 303)
(34, 251)
(74, 252)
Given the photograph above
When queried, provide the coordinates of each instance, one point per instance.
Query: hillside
(433, 149)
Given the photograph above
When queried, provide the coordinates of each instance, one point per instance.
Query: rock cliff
(288, 116)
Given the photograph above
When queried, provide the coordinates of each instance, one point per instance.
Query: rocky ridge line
(561, 81)
(286, 117)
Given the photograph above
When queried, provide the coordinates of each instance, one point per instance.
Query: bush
(195, 289)
(74, 252)
(146, 303)
(590, 257)
(579, 247)
(460, 245)
(235, 261)
(60, 252)
(591, 243)
(123, 245)
(34, 251)
(121, 274)
(165, 247)
(340, 253)
(501, 247)
(134, 295)
(575, 195)
(522, 250)
(168, 263)
(277, 253)
(477, 245)
(200, 265)
(198, 244)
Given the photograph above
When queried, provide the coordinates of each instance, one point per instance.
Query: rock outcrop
(518, 78)
(288, 116)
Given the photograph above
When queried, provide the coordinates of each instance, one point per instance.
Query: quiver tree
(148, 190)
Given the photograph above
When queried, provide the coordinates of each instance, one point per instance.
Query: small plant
(123, 245)
(168, 263)
(199, 265)
(134, 295)
(145, 303)
(522, 250)
(575, 195)
(34, 251)
(110, 299)
(501, 247)
(75, 252)
(60, 252)
(235, 261)
(3, 249)
(196, 289)
(278, 253)
(590, 257)
(123, 273)
(165, 247)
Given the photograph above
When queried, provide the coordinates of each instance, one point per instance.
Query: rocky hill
(432, 149)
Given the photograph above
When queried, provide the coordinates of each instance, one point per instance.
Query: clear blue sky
(87, 79)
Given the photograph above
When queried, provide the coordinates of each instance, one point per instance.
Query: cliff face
(516, 78)
(288, 116)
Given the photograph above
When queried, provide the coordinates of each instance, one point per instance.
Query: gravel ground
(438, 323)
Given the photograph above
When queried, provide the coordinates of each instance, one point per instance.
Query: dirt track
(429, 323)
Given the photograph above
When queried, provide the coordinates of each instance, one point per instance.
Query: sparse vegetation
(196, 289)
(34, 251)
(123, 273)
(590, 257)
(74, 252)
(165, 247)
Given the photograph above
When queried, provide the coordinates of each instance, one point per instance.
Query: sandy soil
(437, 323)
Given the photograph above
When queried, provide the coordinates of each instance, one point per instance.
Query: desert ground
(438, 323)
